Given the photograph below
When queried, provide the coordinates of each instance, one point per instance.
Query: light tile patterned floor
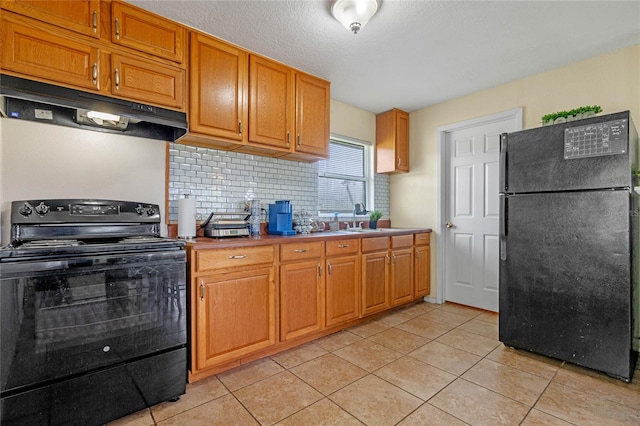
(421, 365)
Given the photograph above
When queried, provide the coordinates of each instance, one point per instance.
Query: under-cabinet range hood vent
(45, 103)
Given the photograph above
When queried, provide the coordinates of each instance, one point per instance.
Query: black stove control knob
(25, 210)
(42, 209)
(139, 210)
(151, 211)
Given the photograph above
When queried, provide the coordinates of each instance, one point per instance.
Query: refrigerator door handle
(504, 184)
(504, 212)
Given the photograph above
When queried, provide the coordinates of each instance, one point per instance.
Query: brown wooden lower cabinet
(401, 276)
(375, 282)
(342, 289)
(252, 301)
(301, 301)
(235, 314)
(422, 271)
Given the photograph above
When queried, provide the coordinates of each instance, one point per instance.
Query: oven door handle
(79, 263)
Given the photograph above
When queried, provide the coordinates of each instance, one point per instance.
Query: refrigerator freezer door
(535, 160)
(565, 280)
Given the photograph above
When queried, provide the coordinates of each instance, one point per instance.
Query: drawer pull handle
(343, 245)
(238, 256)
(300, 250)
(117, 74)
(95, 21)
(202, 291)
(117, 29)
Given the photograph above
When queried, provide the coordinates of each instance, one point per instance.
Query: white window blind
(343, 179)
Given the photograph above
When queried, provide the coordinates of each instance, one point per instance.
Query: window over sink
(346, 178)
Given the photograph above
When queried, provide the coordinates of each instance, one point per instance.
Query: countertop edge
(212, 243)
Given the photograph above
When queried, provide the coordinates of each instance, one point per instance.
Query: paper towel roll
(186, 218)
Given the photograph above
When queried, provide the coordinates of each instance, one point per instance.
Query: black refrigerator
(568, 242)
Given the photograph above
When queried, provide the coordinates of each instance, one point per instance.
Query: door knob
(449, 225)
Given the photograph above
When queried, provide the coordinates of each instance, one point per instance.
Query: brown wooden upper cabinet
(312, 115)
(80, 16)
(146, 32)
(270, 103)
(247, 103)
(218, 94)
(392, 141)
(56, 53)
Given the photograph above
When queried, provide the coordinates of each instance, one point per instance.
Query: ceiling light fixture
(354, 14)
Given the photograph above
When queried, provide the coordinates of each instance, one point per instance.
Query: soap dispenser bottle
(335, 224)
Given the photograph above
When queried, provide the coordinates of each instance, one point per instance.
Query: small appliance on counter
(222, 225)
(281, 218)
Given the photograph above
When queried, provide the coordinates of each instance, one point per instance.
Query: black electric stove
(93, 303)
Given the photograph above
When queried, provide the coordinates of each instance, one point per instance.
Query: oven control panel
(83, 211)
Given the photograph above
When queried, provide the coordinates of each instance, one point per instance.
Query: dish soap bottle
(335, 224)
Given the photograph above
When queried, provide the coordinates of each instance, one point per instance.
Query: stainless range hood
(34, 101)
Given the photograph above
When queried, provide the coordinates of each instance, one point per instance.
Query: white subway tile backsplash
(222, 181)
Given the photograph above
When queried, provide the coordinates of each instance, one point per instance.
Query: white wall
(46, 161)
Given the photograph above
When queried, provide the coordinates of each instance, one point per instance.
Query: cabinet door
(218, 104)
(342, 290)
(37, 52)
(402, 141)
(270, 103)
(146, 32)
(146, 81)
(300, 299)
(392, 141)
(401, 276)
(312, 115)
(81, 16)
(235, 315)
(375, 282)
(422, 271)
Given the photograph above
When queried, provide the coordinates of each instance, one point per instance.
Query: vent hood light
(102, 119)
(45, 103)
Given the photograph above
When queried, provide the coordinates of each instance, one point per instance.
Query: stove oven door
(69, 317)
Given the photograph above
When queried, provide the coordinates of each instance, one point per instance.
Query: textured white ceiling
(413, 54)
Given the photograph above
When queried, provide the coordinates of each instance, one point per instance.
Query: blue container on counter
(281, 218)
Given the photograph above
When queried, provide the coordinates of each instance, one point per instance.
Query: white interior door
(470, 219)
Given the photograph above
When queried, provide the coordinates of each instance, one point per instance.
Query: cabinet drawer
(422, 239)
(340, 247)
(401, 241)
(296, 251)
(375, 244)
(207, 260)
